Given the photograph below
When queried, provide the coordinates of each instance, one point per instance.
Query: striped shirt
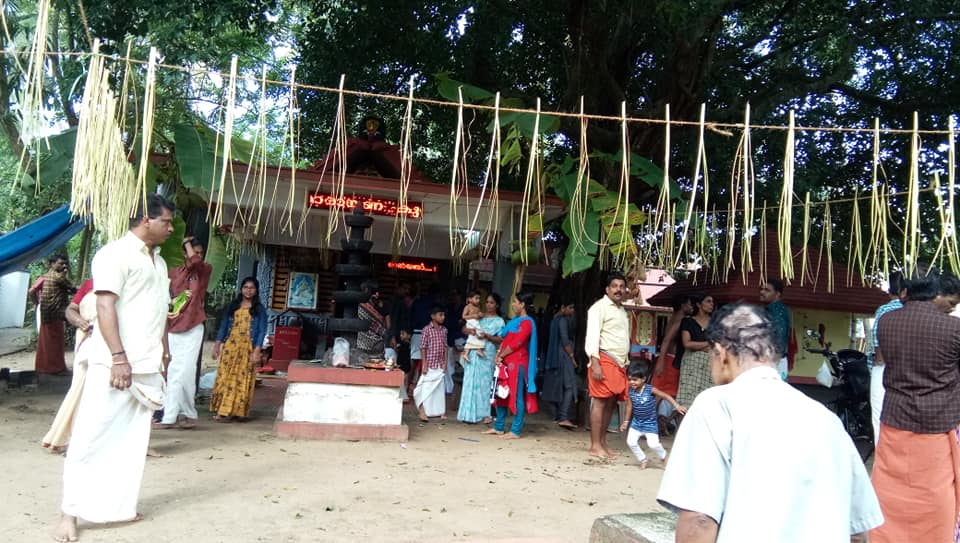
(881, 311)
(644, 410)
(433, 347)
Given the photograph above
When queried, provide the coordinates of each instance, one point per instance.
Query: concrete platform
(634, 528)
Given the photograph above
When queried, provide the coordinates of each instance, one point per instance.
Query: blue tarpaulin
(37, 239)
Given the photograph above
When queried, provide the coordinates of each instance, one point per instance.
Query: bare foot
(567, 424)
(509, 435)
(152, 453)
(66, 530)
(643, 464)
(187, 424)
(598, 453)
(664, 462)
(443, 417)
(488, 420)
(492, 432)
(163, 426)
(611, 454)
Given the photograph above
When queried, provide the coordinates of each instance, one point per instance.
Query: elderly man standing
(743, 468)
(771, 294)
(560, 366)
(185, 329)
(607, 345)
(124, 385)
(53, 296)
(917, 467)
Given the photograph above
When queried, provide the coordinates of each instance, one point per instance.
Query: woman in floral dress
(241, 334)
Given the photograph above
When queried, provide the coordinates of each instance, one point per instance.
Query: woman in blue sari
(478, 369)
(517, 354)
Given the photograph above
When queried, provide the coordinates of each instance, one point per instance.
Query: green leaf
(526, 122)
(450, 89)
(195, 155)
(53, 167)
(64, 143)
(172, 249)
(216, 255)
(535, 224)
(604, 202)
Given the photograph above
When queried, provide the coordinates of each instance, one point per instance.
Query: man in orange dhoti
(917, 469)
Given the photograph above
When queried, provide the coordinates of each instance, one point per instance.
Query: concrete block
(634, 528)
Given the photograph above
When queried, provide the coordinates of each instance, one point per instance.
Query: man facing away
(607, 345)
(53, 295)
(916, 472)
(875, 357)
(771, 294)
(560, 366)
(124, 385)
(185, 335)
(744, 466)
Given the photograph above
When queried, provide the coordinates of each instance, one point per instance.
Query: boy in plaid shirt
(429, 394)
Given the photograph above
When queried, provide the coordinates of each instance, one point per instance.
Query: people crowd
(741, 467)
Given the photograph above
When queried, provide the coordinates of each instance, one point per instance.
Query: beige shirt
(608, 330)
(125, 268)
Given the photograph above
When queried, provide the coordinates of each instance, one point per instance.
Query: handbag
(503, 389)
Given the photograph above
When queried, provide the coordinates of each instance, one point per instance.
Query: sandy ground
(240, 483)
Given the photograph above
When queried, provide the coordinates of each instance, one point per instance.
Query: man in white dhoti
(124, 384)
(429, 395)
(185, 334)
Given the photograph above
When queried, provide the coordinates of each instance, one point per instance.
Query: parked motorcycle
(852, 404)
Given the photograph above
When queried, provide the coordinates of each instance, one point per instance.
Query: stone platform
(634, 528)
(342, 404)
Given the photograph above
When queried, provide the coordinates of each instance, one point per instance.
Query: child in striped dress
(641, 416)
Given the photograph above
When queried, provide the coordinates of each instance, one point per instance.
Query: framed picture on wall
(303, 291)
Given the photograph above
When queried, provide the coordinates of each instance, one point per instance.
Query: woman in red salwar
(518, 356)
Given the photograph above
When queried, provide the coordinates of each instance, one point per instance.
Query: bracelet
(118, 353)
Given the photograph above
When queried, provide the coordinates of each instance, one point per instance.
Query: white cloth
(608, 330)
(182, 374)
(473, 342)
(429, 393)
(125, 268)
(653, 442)
(453, 356)
(108, 448)
(877, 393)
(769, 464)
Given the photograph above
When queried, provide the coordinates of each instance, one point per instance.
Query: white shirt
(125, 268)
(608, 330)
(769, 464)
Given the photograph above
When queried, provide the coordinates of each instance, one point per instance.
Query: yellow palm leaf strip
(693, 190)
(855, 262)
(746, 258)
(911, 225)
(953, 251)
(731, 230)
(399, 234)
(580, 201)
(32, 106)
(876, 203)
(806, 238)
(261, 184)
(491, 178)
(494, 219)
(228, 114)
(659, 229)
(455, 174)
(713, 244)
(763, 244)
(528, 187)
(785, 218)
(146, 129)
(619, 222)
(940, 253)
(292, 141)
(128, 71)
(6, 33)
(828, 234)
(339, 177)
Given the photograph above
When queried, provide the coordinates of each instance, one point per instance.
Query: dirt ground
(240, 483)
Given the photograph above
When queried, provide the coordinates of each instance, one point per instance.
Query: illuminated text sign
(412, 266)
(374, 206)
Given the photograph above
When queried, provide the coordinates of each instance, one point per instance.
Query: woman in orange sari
(240, 337)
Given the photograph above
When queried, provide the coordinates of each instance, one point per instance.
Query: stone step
(634, 528)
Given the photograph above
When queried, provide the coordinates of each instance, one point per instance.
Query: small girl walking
(641, 416)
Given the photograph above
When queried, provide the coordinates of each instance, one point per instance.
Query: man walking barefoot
(607, 345)
(124, 385)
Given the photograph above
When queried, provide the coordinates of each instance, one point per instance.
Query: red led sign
(375, 206)
(412, 266)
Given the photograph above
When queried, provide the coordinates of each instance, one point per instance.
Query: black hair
(151, 208)
(895, 283)
(437, 309)
(681, 299)
(370, 286)
(473, 293)
(496, 297)
(55, 257)
(949, 284)
(777, 284)
(923, 285)
(526, 298)
(639, 369)
(613, 276)
(745, 330)
(256, 308)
